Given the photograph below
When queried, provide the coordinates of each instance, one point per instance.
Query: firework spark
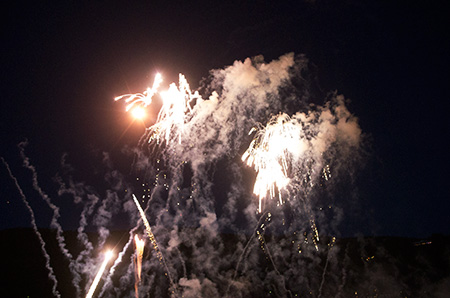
(270, 153)
(138, 262)
(152, 238)
(143, 99)
(177, 103)
(108, 256)
(139, 254)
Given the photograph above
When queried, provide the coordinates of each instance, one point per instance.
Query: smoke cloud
(198, 194)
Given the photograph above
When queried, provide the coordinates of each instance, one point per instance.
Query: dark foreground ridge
(365, 266)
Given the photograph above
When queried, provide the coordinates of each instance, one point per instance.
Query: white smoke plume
(54, 224)
(51, 273)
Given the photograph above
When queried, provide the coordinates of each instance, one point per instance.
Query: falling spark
(108, 256)
(269, 154)
(139, 254)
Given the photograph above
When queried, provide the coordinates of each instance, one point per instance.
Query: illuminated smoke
(214, 238)
(293, 153)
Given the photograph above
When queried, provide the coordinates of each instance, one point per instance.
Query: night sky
(63, 62)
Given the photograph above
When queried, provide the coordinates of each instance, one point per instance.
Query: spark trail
(152, 238)
(118, 260)
(139, 243)
(108, 256)
(51, 274)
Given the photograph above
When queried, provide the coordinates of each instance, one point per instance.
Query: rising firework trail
(108, 256)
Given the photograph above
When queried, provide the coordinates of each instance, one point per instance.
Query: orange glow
(138, 113)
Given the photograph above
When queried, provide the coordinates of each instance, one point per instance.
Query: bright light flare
(270, 154)
(108, 256)
(177, 104)
(138, 113)
(143, 99)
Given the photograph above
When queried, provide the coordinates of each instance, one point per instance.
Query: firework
(143, 99)
(151, 236)
(196, 142)
(138, 261)
(108, 256)
(270, 154)
(139, 254)
(177, 103)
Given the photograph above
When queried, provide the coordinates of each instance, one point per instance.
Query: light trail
(139, 254)
(108, 256)
(139, 243)
(151, 236)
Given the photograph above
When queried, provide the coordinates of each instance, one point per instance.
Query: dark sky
(63, 62)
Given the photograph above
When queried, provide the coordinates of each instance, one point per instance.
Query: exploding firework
(177, 103)
(141, 99)
(271, 153)
(213, 239)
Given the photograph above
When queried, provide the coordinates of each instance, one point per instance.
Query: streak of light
(108, 256)
(139, 243)
(151, 236)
